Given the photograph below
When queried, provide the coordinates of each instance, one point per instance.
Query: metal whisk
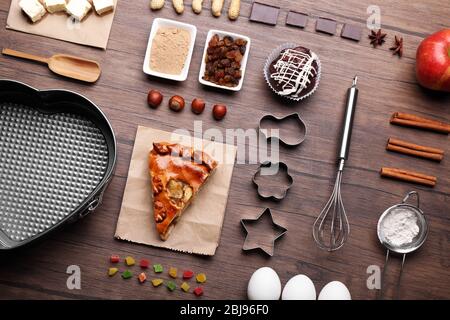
(337, 224)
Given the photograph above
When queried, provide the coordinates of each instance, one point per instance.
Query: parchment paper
(198, 229)
(92, 31)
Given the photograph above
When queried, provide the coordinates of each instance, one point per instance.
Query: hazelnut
(157, 185)
(161, 148)
(161, 216)
(158, 205)
(198, 105)
(176, 103)
(219, 111)
(154, 98)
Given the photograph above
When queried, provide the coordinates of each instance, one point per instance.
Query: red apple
(433, 61)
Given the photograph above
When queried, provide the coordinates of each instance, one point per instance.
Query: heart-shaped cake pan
(57, 155)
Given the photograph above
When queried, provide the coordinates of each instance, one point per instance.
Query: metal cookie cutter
(269, 194)
(406, 248)
(248, 245)
(291, 122)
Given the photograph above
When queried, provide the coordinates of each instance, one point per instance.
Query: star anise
(398, 46)
(377, 38)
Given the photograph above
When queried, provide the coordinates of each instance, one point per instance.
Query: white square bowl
(221, 34)
(157, 23)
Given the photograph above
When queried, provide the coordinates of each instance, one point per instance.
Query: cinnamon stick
(411, 120)
(409, 176)
(413, 149)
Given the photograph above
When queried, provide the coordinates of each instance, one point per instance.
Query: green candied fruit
(158, 268)
(127, 274)
(171, 285)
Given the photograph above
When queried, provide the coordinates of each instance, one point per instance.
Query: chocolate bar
(351, 32)
(264, 13)
(326, 25)
(296, 19)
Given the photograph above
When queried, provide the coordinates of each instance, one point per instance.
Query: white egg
(299, 287)
(335, 290)
(264, 285)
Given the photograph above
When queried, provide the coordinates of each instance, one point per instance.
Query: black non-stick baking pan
(57, 155)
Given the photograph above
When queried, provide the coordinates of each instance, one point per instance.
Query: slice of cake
(177, 173)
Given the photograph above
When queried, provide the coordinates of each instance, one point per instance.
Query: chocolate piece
(296, 19)
(352, 32)
(264, 13)
(326, 25)
(294, 72)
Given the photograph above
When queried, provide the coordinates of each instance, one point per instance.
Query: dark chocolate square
(352, 32)
(296, 19)
(264, 13)
(326, 25)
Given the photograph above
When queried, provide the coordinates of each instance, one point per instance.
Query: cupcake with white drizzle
(292, 71)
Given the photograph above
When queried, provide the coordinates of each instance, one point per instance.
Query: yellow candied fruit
(129, 261)
(173, 272)
(185, 287)
(112, 271)
(201, 277)
(157, 282)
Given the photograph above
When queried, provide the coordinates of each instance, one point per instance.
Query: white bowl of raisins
(224, 60)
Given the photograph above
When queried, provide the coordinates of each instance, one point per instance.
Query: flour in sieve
(400, 227)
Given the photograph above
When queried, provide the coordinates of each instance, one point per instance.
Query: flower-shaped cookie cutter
(262, 188)
(248, 246)
(300, 128)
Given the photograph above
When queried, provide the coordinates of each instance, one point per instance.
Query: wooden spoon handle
(23, 55)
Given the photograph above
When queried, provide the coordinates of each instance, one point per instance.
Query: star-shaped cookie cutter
(260, 187)
(248, 247)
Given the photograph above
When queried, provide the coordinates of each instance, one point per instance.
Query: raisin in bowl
(224, 60)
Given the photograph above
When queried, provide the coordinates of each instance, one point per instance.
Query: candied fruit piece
(198, 291)
(173, 272)
(201, 278)
(142, 277)
(185, 287)
(187, 274)
(112, 271)
(157, 282)
(127, 274)
(171, 285)
(158, 268)
(129, 261)
(144, 263)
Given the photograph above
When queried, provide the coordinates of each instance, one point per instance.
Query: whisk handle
(352, 97)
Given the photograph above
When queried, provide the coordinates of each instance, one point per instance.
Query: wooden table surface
(386, 84)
